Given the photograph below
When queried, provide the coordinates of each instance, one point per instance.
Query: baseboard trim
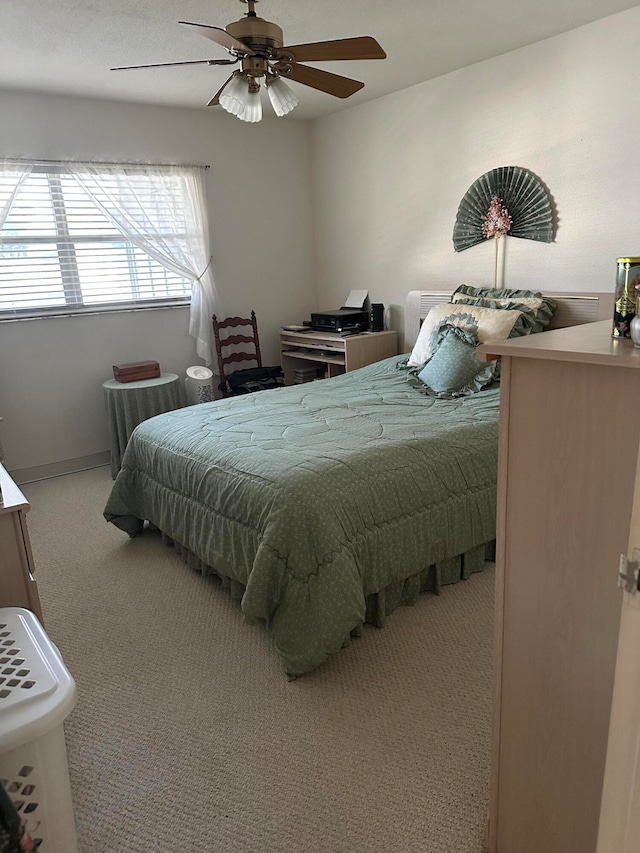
(22, 476)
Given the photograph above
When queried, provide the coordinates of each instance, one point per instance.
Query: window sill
(90, 311)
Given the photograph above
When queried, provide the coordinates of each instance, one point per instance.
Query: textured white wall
(260, 219)
(388, 175)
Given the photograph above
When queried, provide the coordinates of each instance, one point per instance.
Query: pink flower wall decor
(496, 220)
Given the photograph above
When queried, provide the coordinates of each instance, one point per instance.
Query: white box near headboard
(573, 309)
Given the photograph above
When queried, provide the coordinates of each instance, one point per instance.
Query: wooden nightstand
(130, 403)
(333, 354)
(17, 585)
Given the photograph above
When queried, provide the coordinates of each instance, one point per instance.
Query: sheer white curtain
(162, 210)
(12, 176)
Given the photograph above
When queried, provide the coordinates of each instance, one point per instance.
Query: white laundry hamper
(36, 694)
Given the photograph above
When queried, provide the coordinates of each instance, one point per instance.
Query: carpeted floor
(188, 736)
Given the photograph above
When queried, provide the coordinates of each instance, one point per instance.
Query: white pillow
(489, 324)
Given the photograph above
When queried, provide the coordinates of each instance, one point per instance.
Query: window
(61, 253)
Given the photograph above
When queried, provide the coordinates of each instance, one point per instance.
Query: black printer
(350, 321)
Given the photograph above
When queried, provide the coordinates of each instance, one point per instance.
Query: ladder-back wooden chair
(242, 380)
(231, 339)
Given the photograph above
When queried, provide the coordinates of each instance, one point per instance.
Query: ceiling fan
(258, 45)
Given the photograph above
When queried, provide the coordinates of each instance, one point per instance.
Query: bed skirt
(379, 604)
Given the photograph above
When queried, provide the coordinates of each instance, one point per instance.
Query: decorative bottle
(625, 303)
(634, 326)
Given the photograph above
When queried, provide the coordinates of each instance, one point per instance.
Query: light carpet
(187, 735)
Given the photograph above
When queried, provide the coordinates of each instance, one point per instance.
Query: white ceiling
(68, 46)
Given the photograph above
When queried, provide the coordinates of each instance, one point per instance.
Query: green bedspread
(315, 496)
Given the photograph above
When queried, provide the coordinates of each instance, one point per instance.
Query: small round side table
(130, 403)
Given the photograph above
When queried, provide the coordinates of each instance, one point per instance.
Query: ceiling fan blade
(215, 101)
(364, 47)
(332, 84)
(165, 64)
(220, 37)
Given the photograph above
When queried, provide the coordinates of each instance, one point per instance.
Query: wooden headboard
(573, 309)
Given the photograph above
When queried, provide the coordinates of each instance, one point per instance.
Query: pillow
(489, 324)
(537, 309)
(453, 370)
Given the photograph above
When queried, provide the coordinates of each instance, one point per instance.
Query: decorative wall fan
(505, 201)
(259, 46)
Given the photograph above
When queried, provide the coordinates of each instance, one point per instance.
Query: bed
(327, 505)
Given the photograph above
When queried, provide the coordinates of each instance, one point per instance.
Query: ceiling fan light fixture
(259, 46)
(253, 107)
(235, 96)
(282, 97)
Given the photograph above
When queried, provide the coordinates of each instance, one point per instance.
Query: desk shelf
(314, 356)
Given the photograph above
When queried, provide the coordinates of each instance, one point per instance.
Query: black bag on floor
(252, 379)
(14, 838)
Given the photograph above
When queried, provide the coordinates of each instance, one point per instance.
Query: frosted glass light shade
(253, 108)
(235, 95)
(281, 96)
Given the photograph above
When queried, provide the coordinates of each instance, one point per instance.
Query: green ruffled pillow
(537, 310)
(453, 369)
(489, 324)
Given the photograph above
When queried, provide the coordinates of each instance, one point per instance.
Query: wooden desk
(333, 354)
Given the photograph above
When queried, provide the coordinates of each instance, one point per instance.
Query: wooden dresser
(569, 434)
(17, 585)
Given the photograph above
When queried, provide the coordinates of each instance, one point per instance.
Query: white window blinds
(60, 252)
